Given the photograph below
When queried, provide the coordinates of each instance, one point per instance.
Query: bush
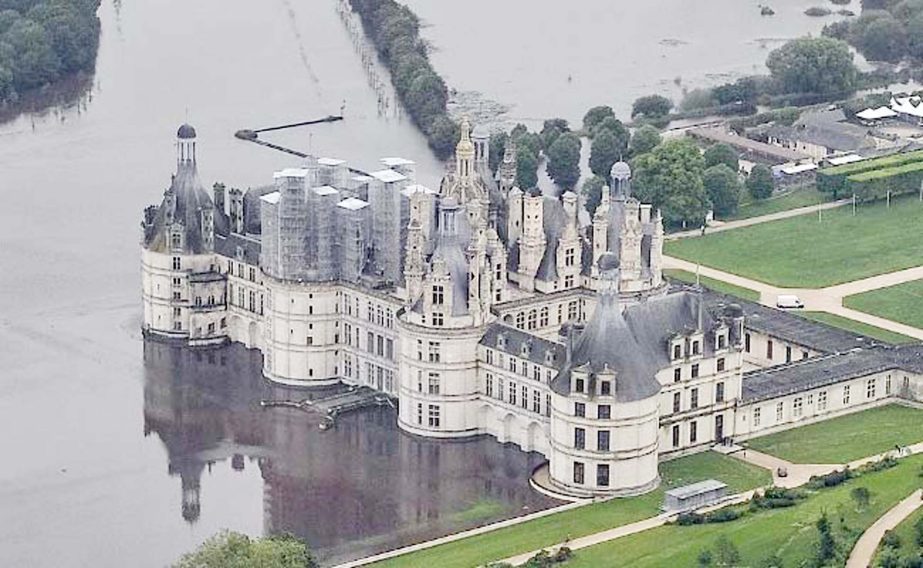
(776, 498)
(689, 519)
(723, 515)
(891, 540)
(831, 479)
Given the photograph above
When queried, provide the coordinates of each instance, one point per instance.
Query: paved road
(818, 299)
(720, 226)
(862, 554)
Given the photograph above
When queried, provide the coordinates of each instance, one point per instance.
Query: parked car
(789, 301)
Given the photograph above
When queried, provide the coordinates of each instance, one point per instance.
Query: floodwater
(558, 59)
(102, 435)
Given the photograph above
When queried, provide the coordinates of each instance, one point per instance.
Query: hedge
(876, 184)
(833, 180)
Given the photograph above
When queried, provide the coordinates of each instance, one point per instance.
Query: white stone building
(487, 310)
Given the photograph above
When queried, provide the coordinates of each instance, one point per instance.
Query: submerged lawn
(847, 438)
(788, 532)
(554, 529)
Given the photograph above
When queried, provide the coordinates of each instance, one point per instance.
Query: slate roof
(190, 200)
(227, 245)
(554, 220)
(539, 351)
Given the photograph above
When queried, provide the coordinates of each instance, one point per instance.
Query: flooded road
(100, 434)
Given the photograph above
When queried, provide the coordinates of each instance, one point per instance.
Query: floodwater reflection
(356, 489)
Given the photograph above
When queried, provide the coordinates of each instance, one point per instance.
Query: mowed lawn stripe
(902, 303)
(802, 252)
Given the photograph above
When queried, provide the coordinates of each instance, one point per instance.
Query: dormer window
(722, 341)
(438, 319)
(677, 351)
(239, 253)
(176, 240)
(549, 357)
(578, 385)
(525, 350)
(501, 341)
(605, 388)
(438, 295)
(696, 347)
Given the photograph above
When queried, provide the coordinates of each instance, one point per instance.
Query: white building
(484, 309)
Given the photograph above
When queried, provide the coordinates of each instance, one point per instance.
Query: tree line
(887, 30)
(43, 41)
(395, 31)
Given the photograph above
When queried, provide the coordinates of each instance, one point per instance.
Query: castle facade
(485, 309)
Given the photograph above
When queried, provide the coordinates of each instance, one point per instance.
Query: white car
(788, 301)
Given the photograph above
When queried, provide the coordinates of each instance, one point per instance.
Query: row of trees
(42, 41)
(395, 31)
(886, 31)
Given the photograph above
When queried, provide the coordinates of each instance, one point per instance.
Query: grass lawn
(789, 532)
(802, 252)
(794, 199)
(858, 327)
(846, 438)
(716, 285)
(903, 303)
(554, 529)
(907, 534)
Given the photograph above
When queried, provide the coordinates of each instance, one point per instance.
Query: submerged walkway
(828, 299)
(862, 554)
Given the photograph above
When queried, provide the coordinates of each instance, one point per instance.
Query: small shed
(691, 497)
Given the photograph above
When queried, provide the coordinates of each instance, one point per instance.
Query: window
(747, 342)
(547, 405)
(780, 411)
(722, 341)
(578, 473)
(419, 413)
(602, 440)
(569, 281)
(804, 354)
(579, 409)
(381, 345)
(434, 416)
(177, 281)
(438, 319)
(176, 240)
(676, 435)
(888, 385)
(579, 438)
(177, 312)
(177, 295)
(870, 388)
(252, 274)
(370, 342)
(797, 406)
(389, 348)
(543, 317)
(605, 388)
(512, 393)
(788, 354)
(578, 385)
(569, 257)
(489, 387)
(490, 357)
(695, 347)
(677, 401)
(524, 401)
(177, 265)
(694, 398)
(719, 392)
(602, 475)
(846, 394)
(513, 364)
(438, 295)
(536, 373)
(604, 412)
(677, 374)
(677, 351)
(177, 326)
(720, 365)
(525, 369)
(434, 351)
(822, 400)
(500, 383)
(769, 349)
(695, 371)
(756, 417)
(693, 432)
(532, 320)
(433, 383)
(536, 402)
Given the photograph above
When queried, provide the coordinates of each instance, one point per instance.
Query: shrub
(891, 540)
(688, 519)
(831, 479)
(722, 516)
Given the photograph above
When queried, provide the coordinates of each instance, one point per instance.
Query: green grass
(554, 529)
(788, 532)
(875, 164)
(847, 438)
(716, 285)
(792, 200)
(902, 303)
(478, 511)
(858, 327)
(802, 252)
(905, 530)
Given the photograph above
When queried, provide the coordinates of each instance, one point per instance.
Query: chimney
(219, 189)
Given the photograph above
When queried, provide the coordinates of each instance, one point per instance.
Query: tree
(564, 160)
(551, 129)
(915, 36)
(604, 152)
(235, 550)
(705, 558)
(698, 99)
(722, 154)
(820, 65)
(593, 193)
(645, 139)
(426, 98)
(726, 554)
(759, 182)
(526, 168)
(615, 127)
(497, 147)
(670, 178)
(826, 545)
(861, 495)
(651, 106)
(443, 134)
(525, 139)
(743, 90)
(596, 115)
(722, 184)
(883, 39)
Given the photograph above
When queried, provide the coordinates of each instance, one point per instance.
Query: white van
(788, 301)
